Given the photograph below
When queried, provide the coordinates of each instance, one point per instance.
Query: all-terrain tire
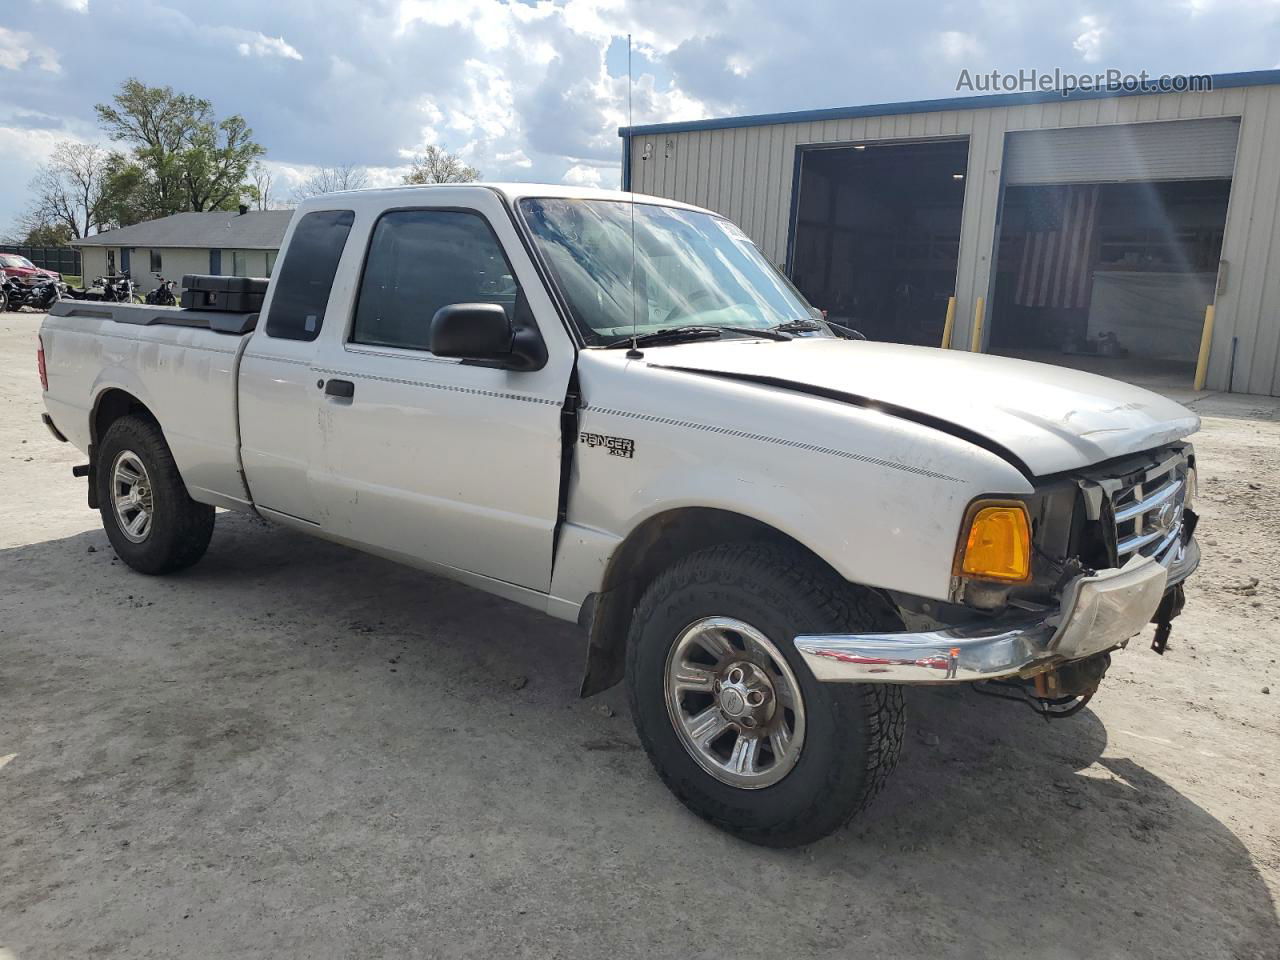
(853, 731)
(180, 528)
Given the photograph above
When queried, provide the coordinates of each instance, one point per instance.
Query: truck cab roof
(509, 191)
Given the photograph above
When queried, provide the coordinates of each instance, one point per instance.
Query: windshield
(12, 260)
(690, 269)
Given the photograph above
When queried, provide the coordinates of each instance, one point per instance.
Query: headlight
(995, 544)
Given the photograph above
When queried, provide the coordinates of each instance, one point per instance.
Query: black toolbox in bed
(232, 294)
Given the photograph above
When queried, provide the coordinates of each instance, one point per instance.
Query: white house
(240, 243)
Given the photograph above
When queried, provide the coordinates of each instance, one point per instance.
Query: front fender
(879, 498)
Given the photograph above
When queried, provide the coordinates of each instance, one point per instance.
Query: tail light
(44, 372)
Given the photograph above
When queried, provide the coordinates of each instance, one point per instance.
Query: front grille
(1148, 509)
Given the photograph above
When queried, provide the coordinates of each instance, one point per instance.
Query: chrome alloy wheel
(734, 702)
(131, 496)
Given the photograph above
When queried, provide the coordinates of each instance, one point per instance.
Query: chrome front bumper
(1098, 613)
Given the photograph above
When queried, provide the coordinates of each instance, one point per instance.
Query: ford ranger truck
(613, 408)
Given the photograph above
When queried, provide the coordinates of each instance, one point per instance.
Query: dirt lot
(294, 750)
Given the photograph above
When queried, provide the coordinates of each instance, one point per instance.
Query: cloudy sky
(537, 90)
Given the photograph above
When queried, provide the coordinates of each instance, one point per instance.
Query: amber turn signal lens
(999, 544)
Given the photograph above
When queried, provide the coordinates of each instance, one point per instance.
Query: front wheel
(732, 718)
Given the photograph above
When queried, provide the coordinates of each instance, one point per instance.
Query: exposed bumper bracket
(1098, 613)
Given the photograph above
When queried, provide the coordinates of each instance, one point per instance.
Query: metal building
(1091, 230)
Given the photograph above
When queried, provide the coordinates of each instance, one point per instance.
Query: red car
(12, 265)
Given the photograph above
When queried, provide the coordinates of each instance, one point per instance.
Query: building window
(156, 266)
(237, 264)
(271, 261)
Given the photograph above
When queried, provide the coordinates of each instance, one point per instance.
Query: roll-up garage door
(1166, 150)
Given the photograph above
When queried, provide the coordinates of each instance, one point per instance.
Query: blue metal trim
(1221, 81)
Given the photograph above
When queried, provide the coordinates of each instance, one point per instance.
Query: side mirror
(472, 331)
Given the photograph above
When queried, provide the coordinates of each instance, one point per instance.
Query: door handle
(340, 388)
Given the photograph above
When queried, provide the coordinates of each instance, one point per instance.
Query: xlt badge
(617, 446)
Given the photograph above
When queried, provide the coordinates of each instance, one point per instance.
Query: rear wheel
(730, 715)
(151, 521)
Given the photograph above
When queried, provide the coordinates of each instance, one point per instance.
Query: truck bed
(146, 315)
(181, 364)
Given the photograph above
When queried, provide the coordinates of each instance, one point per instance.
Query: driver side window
(420, 261)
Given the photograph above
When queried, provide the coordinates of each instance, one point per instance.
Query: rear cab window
(306, 275)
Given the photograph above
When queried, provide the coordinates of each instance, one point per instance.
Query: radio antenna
(634, 353)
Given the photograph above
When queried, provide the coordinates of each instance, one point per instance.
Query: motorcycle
(162, 296)
(95, 292)
(45, 293)
(40, 293)
(118, 288)
(82, 293)
(85, 293)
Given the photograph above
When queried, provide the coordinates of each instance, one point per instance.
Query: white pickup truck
(614, 409)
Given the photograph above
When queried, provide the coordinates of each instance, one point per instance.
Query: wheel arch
(653, 545)
(109, 406)
(112, 404)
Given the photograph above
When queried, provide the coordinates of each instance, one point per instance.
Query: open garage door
(1109, 244)
(877, 234)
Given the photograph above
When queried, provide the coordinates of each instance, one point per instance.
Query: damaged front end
(1110, 549)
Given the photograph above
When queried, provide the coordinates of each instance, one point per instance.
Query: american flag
(1057, 250)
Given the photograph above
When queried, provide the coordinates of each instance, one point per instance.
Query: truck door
(278, 399)
(435, 459)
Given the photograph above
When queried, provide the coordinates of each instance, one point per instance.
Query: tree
(217, 162)
(258, 190)
(346, 176)
(127, 195)
(67, 192)
(48, 235)
(188, 159)
(437, 165)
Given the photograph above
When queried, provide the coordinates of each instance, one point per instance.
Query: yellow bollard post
(949, 323)
(979, 310)
(1206, 340)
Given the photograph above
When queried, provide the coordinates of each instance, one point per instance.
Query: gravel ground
(294, 750)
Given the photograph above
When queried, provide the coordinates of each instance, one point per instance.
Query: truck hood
(1042, 418)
